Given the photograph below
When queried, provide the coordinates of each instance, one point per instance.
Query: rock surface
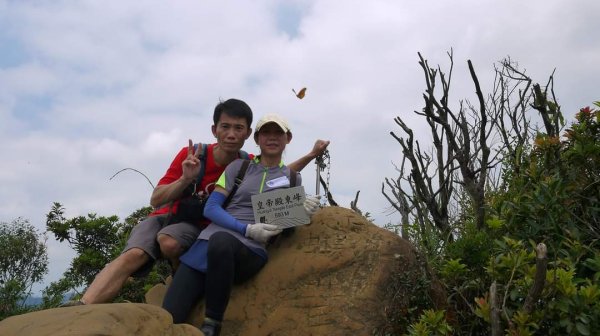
(337, 276)
(102, 319)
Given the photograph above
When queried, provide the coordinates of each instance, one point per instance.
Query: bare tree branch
(539, 280)
(494, 311)
(135, 170)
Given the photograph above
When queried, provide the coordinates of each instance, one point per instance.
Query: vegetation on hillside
(506, 213)
(23, 262)
(97, 241)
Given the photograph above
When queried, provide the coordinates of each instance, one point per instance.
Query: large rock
(337, 276)
(102, 319)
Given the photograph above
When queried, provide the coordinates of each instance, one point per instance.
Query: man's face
(231, 133)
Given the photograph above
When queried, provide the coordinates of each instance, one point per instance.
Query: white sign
(282, 207)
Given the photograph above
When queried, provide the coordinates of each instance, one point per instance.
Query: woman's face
(272, 139)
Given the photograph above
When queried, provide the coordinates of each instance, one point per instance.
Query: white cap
(268, 118)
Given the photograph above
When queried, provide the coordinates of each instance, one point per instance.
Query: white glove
(261, 232)
(312, 204)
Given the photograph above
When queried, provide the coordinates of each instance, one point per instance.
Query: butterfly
(300, 94)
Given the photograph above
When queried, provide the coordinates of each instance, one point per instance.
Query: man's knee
(132, 258)
(134, 253)
(169, 246)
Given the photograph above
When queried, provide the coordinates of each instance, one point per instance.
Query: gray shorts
(144, 236)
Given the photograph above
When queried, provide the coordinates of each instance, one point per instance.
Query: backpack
(191, 203)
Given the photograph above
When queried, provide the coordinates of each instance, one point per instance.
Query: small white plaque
(281, 207)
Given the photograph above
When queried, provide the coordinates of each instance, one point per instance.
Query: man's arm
(318, 149)
(168, 192)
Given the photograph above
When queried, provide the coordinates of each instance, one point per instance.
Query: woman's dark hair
(233, 108)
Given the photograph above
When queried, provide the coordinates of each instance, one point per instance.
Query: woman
(232, 248)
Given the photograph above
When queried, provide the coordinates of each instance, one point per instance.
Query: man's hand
(261, 232)
(311, 204)
(319, 148)
(191, 164)
(166, 193)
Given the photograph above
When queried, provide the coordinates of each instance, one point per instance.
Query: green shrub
(553, 198)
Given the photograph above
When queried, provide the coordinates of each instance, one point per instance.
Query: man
(153, 237)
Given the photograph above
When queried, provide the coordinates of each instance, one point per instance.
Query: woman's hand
(319, 148)
(261, 232)
(312, 204)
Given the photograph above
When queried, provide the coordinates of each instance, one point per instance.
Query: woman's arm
(318, 149)
(214, 211)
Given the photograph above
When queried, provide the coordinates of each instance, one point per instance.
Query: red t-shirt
(212, 172)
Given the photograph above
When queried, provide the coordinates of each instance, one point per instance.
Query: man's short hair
(233, 108)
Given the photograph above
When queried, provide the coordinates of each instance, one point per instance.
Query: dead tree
(508, 103)
(539, 280)
(400, 200)
(548, 109)
(514, 95)
(460, 144)
(467, 137)
(469, 143)
(436, 198)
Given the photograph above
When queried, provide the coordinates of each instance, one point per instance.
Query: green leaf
(494, 223)
(583, 329)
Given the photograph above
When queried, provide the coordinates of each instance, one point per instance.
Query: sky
(88, 88)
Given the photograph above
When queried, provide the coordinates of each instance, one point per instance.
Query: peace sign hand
(191, 164)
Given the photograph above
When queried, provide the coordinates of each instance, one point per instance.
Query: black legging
(229, 262)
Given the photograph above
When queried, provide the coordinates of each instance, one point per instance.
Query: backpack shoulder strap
(293, 176)
(238, 180)
(244, 155)
(202, 158)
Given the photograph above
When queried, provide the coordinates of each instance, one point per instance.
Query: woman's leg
(229, 261)
(186, 289)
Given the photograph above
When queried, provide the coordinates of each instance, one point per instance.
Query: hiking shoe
(211, 327)
(72, 303)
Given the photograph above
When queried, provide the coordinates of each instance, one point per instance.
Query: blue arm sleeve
(214, 211)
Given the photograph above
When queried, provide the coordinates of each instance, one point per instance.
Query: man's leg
(111, 279)
(175, 239)
(170, 249)
(139, 254)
